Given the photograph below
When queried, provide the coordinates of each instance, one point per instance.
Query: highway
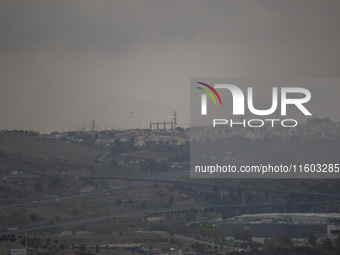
(146, 182)
(150, 212)
(71, 223)
(207, 184)
(139, 184)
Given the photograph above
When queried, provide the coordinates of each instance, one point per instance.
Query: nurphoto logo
(238, 106)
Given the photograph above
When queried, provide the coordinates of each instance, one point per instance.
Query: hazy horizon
(130, 62)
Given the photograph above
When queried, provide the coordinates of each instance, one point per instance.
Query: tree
(39, 187)
(82, 227)
(327, 243)
(191, 216)
(227, 212)
(199, 247)
(337, 243)
(12, 238)
(131, 142)
(82, 248)
(119, 202)
(117, 147)
(171, 200)
(150, 165)
(271, 243)
(243, 235)
(113, 162)
(285, 241)
(312, 239)
(247, 236)
(34, 216)
(237, 234)
(210, 231)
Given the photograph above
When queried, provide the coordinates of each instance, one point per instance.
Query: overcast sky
(130, 62)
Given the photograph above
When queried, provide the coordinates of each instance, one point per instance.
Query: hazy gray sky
(61, 61)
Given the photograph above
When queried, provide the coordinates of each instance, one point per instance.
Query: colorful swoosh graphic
(208, 92)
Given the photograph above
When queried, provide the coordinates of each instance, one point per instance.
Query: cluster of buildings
(298, 226)
(322, 128)
(145, 137)
(314, 128)
(138, 137)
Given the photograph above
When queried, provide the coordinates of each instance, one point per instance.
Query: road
(73, 222)
(168, 176)
(186, 238)
(138, 184)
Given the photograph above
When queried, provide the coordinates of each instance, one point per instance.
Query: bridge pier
(100, 185)
(128, 183)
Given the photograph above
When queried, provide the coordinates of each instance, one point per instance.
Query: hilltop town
(123, 191)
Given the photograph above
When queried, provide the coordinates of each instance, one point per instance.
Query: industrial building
(298, 226)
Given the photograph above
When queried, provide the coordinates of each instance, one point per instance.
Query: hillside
(44, 149)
